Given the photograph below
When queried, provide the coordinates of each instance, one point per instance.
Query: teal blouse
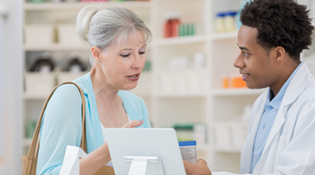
(62, 122)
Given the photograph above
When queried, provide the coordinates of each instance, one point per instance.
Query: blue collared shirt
(268, 118)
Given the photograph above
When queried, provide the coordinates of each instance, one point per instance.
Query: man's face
(255, 64)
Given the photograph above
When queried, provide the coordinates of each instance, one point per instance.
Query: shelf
(181, 95)
(79, 5)
(230, 149)
(237, 92)
(56, 47)
(181, 40)
(35, 96)
(224, 36)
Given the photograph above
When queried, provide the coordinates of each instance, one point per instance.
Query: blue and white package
(188, 151)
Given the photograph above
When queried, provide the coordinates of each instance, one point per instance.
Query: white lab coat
(290, 147)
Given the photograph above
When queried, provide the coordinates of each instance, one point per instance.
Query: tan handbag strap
(34, 148)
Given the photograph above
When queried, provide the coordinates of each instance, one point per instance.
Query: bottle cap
(220, 14)
(231, 13)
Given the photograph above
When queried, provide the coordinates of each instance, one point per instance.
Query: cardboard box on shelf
(39, 34)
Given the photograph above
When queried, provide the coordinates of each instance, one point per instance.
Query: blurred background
(188, 83)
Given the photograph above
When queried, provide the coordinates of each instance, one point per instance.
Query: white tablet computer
(145, 142)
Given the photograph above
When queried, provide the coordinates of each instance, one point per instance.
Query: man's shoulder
(308, 94)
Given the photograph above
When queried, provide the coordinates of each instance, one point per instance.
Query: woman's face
(122, 64)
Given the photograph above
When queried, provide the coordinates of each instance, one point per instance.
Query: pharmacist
(281, 138)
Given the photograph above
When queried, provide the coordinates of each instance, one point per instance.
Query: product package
(189, 151)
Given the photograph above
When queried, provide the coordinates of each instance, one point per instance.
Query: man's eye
(125, 55)
(245, 54)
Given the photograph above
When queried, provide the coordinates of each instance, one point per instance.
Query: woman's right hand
(133, 123)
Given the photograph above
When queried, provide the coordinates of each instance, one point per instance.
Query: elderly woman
(117, 40)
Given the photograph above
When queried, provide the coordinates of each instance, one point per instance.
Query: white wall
(11, 71)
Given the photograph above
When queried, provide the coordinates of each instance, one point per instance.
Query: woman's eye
(141, 53)
(125, 55)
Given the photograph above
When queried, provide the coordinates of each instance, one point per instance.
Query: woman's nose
(139, 62)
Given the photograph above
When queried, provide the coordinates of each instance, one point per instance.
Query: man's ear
(279, 53)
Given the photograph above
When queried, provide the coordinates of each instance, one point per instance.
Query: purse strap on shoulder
(34, 148)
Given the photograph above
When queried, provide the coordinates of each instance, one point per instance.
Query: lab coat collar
(295, 88)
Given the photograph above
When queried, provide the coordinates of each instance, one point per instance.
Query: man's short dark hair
(279, 23)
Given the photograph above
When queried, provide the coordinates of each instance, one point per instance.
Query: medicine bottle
(168, 26)
(175, 21)
(219, 22)
(229, 21)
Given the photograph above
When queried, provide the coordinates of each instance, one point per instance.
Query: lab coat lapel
(295, 88)
(246, 159)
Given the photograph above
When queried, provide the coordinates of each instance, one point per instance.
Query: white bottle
(229, 21)
(219, 23)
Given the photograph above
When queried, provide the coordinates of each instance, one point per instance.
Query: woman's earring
(98, 62)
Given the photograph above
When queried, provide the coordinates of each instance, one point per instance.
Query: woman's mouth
(133, 77)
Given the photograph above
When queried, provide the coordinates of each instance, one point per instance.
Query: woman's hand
(99, 157)
(133, 123)
(199, 168)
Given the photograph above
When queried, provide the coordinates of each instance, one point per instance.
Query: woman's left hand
(133, 123)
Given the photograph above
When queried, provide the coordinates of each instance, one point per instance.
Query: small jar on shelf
(233, 81)
(225, 22)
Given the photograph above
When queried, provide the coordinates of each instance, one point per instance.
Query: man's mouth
(245, 76)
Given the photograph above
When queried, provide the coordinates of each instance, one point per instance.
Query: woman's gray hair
(101, 27)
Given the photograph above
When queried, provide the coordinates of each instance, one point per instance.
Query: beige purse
(30, 161)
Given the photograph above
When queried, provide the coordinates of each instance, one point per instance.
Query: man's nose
(239, 61)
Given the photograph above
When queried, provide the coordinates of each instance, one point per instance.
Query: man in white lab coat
(281, 138)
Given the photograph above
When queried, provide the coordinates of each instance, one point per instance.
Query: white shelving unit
(224, 36)
(236, 92)
(181, 40)
(79, 5)
(210, 105)
(56, 47)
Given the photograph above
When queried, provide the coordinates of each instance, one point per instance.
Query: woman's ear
(96, 52)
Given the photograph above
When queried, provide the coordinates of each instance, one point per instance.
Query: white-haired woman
(117, 40)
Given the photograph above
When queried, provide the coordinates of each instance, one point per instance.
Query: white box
(67, 35)
(180, 81)
(39, 34)
(222, 134)
(194, 82)
(39, 82)
(166, 82)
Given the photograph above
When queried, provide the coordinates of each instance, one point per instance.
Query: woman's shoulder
(67, 90)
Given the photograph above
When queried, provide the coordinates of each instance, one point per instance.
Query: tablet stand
(139, 165)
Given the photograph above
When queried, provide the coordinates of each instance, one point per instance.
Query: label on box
(188, 151)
